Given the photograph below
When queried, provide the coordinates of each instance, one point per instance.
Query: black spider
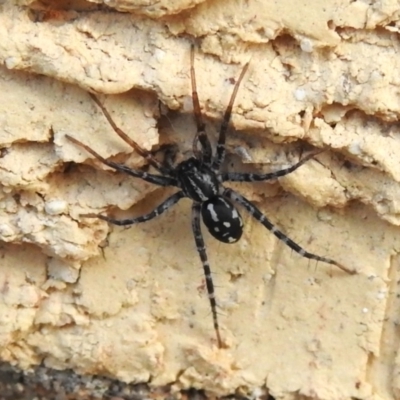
(200, 179)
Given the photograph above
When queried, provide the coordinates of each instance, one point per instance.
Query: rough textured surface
(131, 304)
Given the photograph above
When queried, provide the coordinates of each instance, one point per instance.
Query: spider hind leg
(161, 208)
(260, 217)
(198, 237)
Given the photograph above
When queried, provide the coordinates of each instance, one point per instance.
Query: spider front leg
(164, 206)
(201, 135)
(156, 179)
(220, 155)
(260, 217)
(198, 237)
(140, 150)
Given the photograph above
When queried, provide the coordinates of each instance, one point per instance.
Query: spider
(200, 179)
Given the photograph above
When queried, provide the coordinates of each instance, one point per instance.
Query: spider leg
(140, 150)
(198, 237)
(220, 155)
(247, 177)
(170, 153)
(201, 135)
(164, 206)
(157, 180)
(259, 216)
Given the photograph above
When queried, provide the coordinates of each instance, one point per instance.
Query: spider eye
(222, 219)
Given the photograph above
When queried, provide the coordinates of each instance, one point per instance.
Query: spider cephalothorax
(197, 180)
(200, 179)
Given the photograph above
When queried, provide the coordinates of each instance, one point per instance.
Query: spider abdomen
(222, 219)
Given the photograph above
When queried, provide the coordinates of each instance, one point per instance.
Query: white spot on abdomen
(214, 216)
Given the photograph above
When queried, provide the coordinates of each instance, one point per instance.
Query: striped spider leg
(200, 179)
